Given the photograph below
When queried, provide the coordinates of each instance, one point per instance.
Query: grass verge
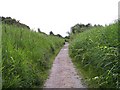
(95, 54)
(26, 56)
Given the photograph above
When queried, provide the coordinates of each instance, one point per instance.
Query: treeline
(66, 38)
(58, 35)
(51, 33)
(78, 28)
(11, 21)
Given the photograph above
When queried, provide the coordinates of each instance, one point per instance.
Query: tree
(51, 33)
(59, 35)
(88, 25)
(39, 30)
(12, 21)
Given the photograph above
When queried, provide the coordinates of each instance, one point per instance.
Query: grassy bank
(95, 54)
(26, 56)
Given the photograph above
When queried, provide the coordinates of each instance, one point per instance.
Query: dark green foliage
(10, 21)
(26, 56)
(39, 30)
(51, 33)
(67, 38)
(95, 53)
(58, 35)
(78, 28)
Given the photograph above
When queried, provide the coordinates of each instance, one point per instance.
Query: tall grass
(95, 54)
(0, 54)
(26, 56)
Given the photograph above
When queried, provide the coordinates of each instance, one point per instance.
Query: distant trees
(58, 35)
(78, 28)
(88, 25)
(39, 30)
(51, 33)
(11, 21)
(67, 37)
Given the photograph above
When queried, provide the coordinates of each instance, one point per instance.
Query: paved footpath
(63, 74)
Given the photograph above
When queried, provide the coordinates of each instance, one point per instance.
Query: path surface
(63, 74)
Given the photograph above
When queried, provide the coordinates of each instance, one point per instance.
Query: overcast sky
(60, 15)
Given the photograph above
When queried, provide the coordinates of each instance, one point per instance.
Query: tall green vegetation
(26, 56)
(0, 55)
(95, 54)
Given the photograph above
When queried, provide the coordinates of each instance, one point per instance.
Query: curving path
(63, 74)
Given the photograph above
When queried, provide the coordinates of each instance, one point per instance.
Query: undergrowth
(26, 56)
(95, 54)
